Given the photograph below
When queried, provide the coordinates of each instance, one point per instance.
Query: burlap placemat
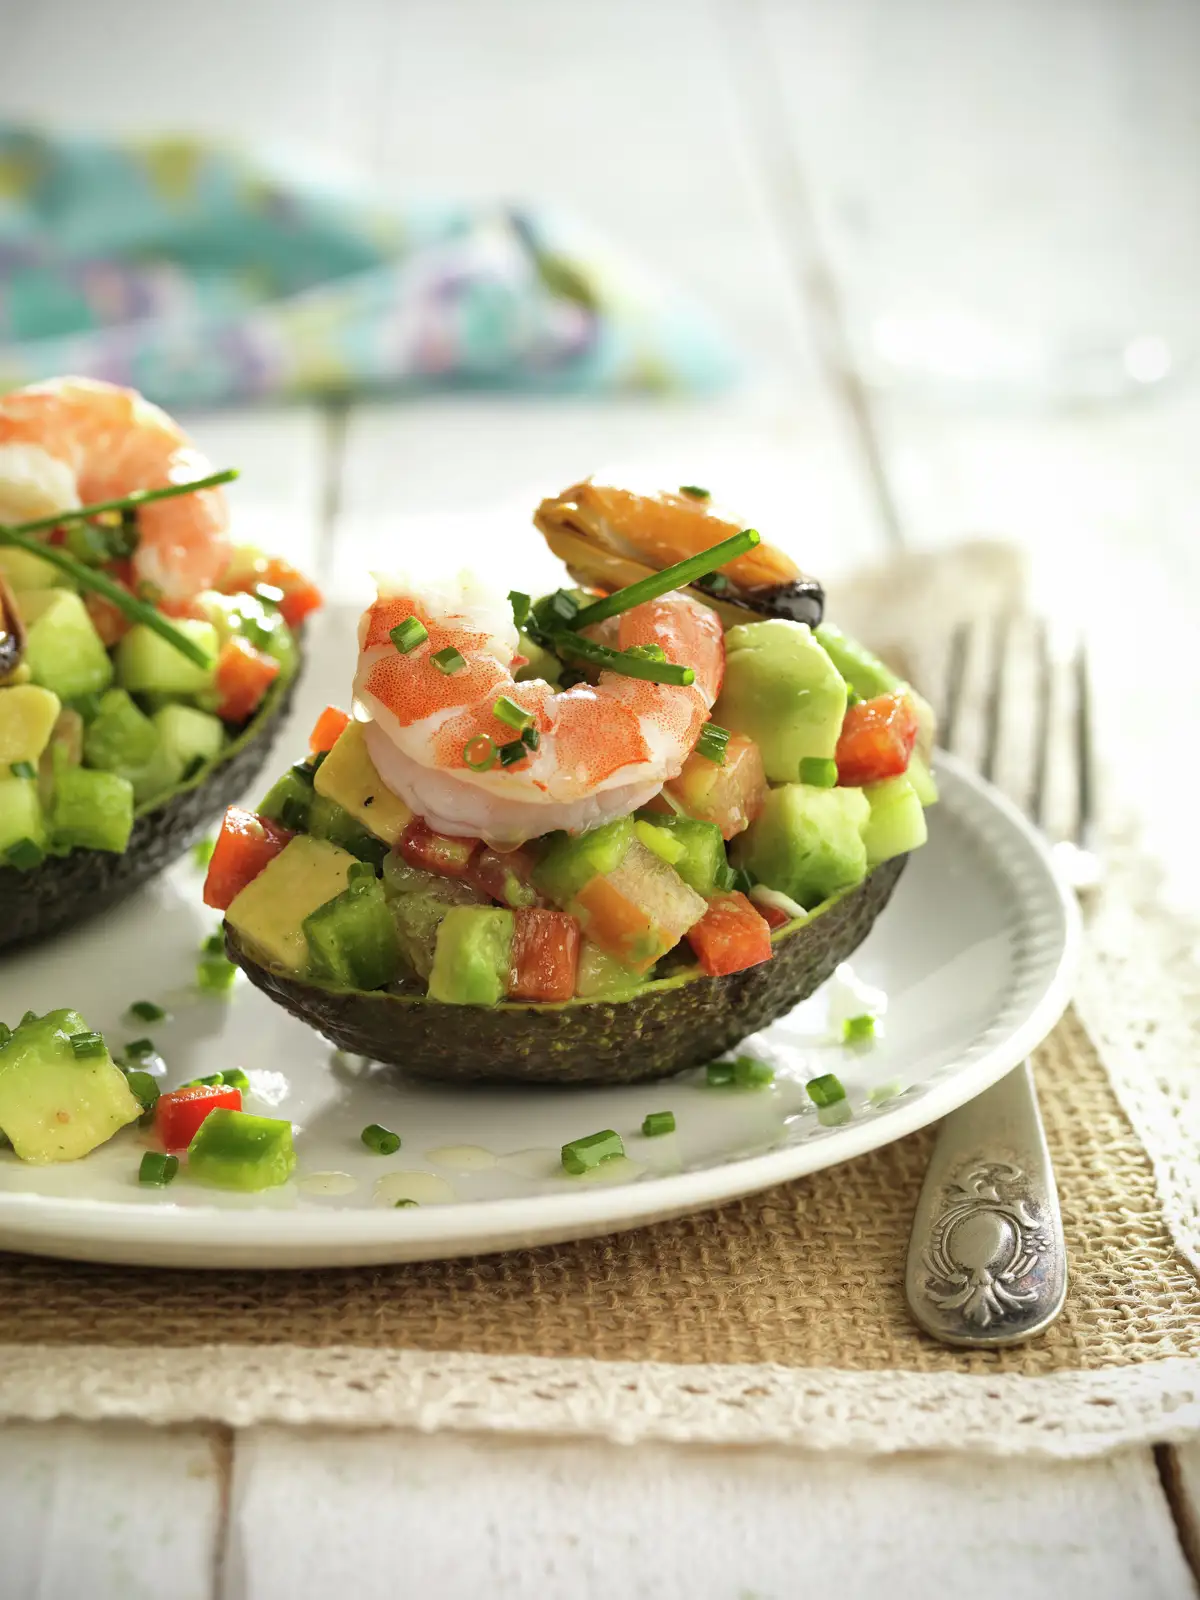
(806, 1277)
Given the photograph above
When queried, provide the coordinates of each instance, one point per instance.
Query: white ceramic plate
(974, 953)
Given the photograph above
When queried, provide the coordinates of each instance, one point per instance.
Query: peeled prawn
(74, 441)
(602, 750)
(611, 537)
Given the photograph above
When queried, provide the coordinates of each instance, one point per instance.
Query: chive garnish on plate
(407, 635)
(157, 1169)
(826, 1090)
(675, 577)
(713, 743)
(448, 660)
(87, 1044)
(856, 1029)
(584, 1155)
(510, 713)
(147, 1011)
(381, 1140)
(656, 1123)
(479, 753)
(622, 661)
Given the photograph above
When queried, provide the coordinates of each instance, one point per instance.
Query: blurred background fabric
(202, 274)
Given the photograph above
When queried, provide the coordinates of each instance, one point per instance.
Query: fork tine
(995, 696)
(1041, 747)
(956, 666)
(1085, 818)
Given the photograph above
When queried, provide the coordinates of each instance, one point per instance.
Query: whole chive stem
(127, 502)
(618, 661)
(676, 577)
(130, 607)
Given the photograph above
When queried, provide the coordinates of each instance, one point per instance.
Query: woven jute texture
(806, 1275)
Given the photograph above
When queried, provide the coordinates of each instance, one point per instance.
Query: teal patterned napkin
(202, 275)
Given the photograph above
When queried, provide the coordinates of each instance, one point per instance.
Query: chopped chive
(826, 1090)
(557, 610)
(719, 1073)
(139, 1047)
(629, 666)
(448, 660)
(214, 945)
(407, 635)
(23, 769)
(87, 1044)
(214, 1080)
(237, 1079)
(381, 1140)
(530, 737)
(819, 771)
(143, 1088)
(857, 1028)
(512, 752)
(511, 713)
(675, 577)
(147, 1011)
(400, 1203)
(202, 851)
(215, 974)
(751, 1074)
(713, 743)
(694, 491)
(25, 854)
(590, 1152)
(658, 1123)
(479, 753)
(521, 604)
(157, 1169)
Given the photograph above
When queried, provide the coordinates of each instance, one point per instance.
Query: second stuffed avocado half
(622, 952)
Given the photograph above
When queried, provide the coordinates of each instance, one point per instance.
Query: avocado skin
(66, 890)
(678, 1023)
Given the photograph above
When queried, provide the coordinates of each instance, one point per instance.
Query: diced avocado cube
(234, 1150)
(806, 842)
(600, 976)
(781, 690)
(63, 650)
(147, 664)
(269, 912)
(21, 815)
(348, 776)
(574, 859)
(122, 739)
(56, 1105)
(90, 810)
(22, 570)
(470, 963)
(289, 800)
(897, 821)
(27, 717)
(328, 820)
(701, 850)
(352, 938)
(189, 738)
(868, 676)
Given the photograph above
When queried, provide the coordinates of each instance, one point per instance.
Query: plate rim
(32, 1223)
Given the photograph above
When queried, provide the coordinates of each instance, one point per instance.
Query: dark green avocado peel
(66, 890)
(671, 1024)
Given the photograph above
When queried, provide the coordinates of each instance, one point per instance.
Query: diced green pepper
(352, 938)
(234, 1150)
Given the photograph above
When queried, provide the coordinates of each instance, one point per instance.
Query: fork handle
(987, 1264)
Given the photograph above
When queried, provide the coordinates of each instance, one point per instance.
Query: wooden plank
(113, 1512)
(456, 1516)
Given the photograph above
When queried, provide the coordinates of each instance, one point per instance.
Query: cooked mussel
(610, 537)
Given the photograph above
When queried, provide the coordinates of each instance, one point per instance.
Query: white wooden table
(806, 167)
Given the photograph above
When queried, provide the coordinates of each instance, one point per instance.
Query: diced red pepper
(436, 852)
(179, 1113)
(111, 624)
(545, 955)
(730, 936)
(877, 739)
(244, 845)
(300, 594)
(773, 916)
(505, 876)
(244, 675)
(327, 729)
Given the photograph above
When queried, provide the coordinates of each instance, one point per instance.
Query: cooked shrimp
(602, 751)
(75, 441)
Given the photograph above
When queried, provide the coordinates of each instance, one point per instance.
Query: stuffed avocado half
(145, 661)
(424, 921)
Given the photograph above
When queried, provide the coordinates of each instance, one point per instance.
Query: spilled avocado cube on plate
(59, 1099)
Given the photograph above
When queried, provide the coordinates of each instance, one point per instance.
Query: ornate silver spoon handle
(987, 1264)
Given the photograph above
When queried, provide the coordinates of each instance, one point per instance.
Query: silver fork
(986, 1259)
